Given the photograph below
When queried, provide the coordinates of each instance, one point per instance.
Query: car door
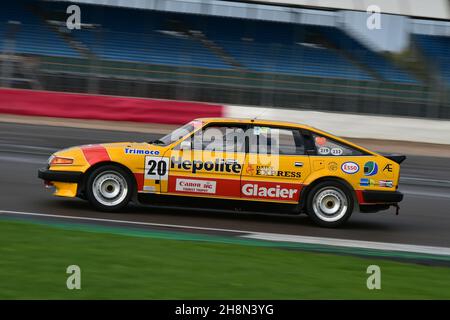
(275, 166)
(209, 162)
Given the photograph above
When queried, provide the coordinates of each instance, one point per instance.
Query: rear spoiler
(395, 157)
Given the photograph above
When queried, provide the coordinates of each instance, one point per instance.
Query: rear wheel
(330, 204)
(109, 188)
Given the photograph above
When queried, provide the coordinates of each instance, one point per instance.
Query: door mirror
(185, 145)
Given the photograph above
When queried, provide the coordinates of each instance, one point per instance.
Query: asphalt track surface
(424, 216)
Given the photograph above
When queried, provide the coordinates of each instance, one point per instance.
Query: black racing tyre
(329, 204)
(109, 188)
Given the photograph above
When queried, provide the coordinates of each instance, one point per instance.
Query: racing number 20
(156, 168)
(160, 166)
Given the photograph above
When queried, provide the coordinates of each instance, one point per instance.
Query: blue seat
(371, 59)
(33, 36)
(437, 52)
(159, 38)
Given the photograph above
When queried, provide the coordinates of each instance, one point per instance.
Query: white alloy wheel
(110, 188)
(330, 204)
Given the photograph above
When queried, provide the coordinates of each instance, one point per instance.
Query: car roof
(282, 123)
(256, 121)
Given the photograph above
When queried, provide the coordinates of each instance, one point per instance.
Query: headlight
(56, 161)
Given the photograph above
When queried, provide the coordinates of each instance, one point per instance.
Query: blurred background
(290, 54)
(382, 80)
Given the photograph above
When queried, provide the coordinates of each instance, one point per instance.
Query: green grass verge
(34, 258)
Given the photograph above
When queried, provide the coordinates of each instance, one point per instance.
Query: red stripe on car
(95, 153)
(139, 181)
(359, 196)
(275, 191)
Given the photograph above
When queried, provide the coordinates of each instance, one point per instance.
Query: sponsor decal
(194, 185)
(386, 183)
(269, 191)
(388, 170)
(366, 182)
(324, 150)
(260, 130)
(141, 151)
(370, 168)
(350, 167)
(250, 170)
(219, 165)
(332, 166)
(270, 171)
(337, 151)
(321, 141)
(156, 168)
(223, 187)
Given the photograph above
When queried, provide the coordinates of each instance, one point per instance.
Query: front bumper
(60, 176)
(391, 197)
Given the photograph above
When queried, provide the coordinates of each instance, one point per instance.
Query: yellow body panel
(65, 189)
(146, 162)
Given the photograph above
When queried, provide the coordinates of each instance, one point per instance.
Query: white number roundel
(337, 151)
(324, 150)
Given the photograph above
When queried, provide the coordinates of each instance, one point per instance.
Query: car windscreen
(178, 133)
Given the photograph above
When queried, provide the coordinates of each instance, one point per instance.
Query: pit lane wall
(101, 107)
(355, 125)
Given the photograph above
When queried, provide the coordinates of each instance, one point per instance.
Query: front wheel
(330, 204)
(109, 188)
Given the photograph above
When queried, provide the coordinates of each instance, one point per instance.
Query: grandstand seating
(164, 38)
(138, 37)
(436, 50)
(33, 37)
(280, 48)
(371, 59)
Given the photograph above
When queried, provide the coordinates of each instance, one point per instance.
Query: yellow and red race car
(233, 163)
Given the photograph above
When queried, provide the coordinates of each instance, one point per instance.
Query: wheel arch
(82, 184)
(305, 191)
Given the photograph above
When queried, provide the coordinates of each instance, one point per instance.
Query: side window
(217, 138)
(282, 141)
(328, 147)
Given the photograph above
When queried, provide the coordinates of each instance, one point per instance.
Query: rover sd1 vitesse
(251, 164)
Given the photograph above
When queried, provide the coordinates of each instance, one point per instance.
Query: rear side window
(329, 147)
(273, 140)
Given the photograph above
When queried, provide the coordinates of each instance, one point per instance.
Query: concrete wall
(436, 9)
(355, 126)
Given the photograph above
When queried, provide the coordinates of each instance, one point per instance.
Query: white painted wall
(354, 126)
(436, 9)
(392, 36)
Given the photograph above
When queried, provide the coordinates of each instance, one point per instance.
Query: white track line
(140, 223)
(265, 236)
(425, 194)
(351, 243)
(424, 179)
